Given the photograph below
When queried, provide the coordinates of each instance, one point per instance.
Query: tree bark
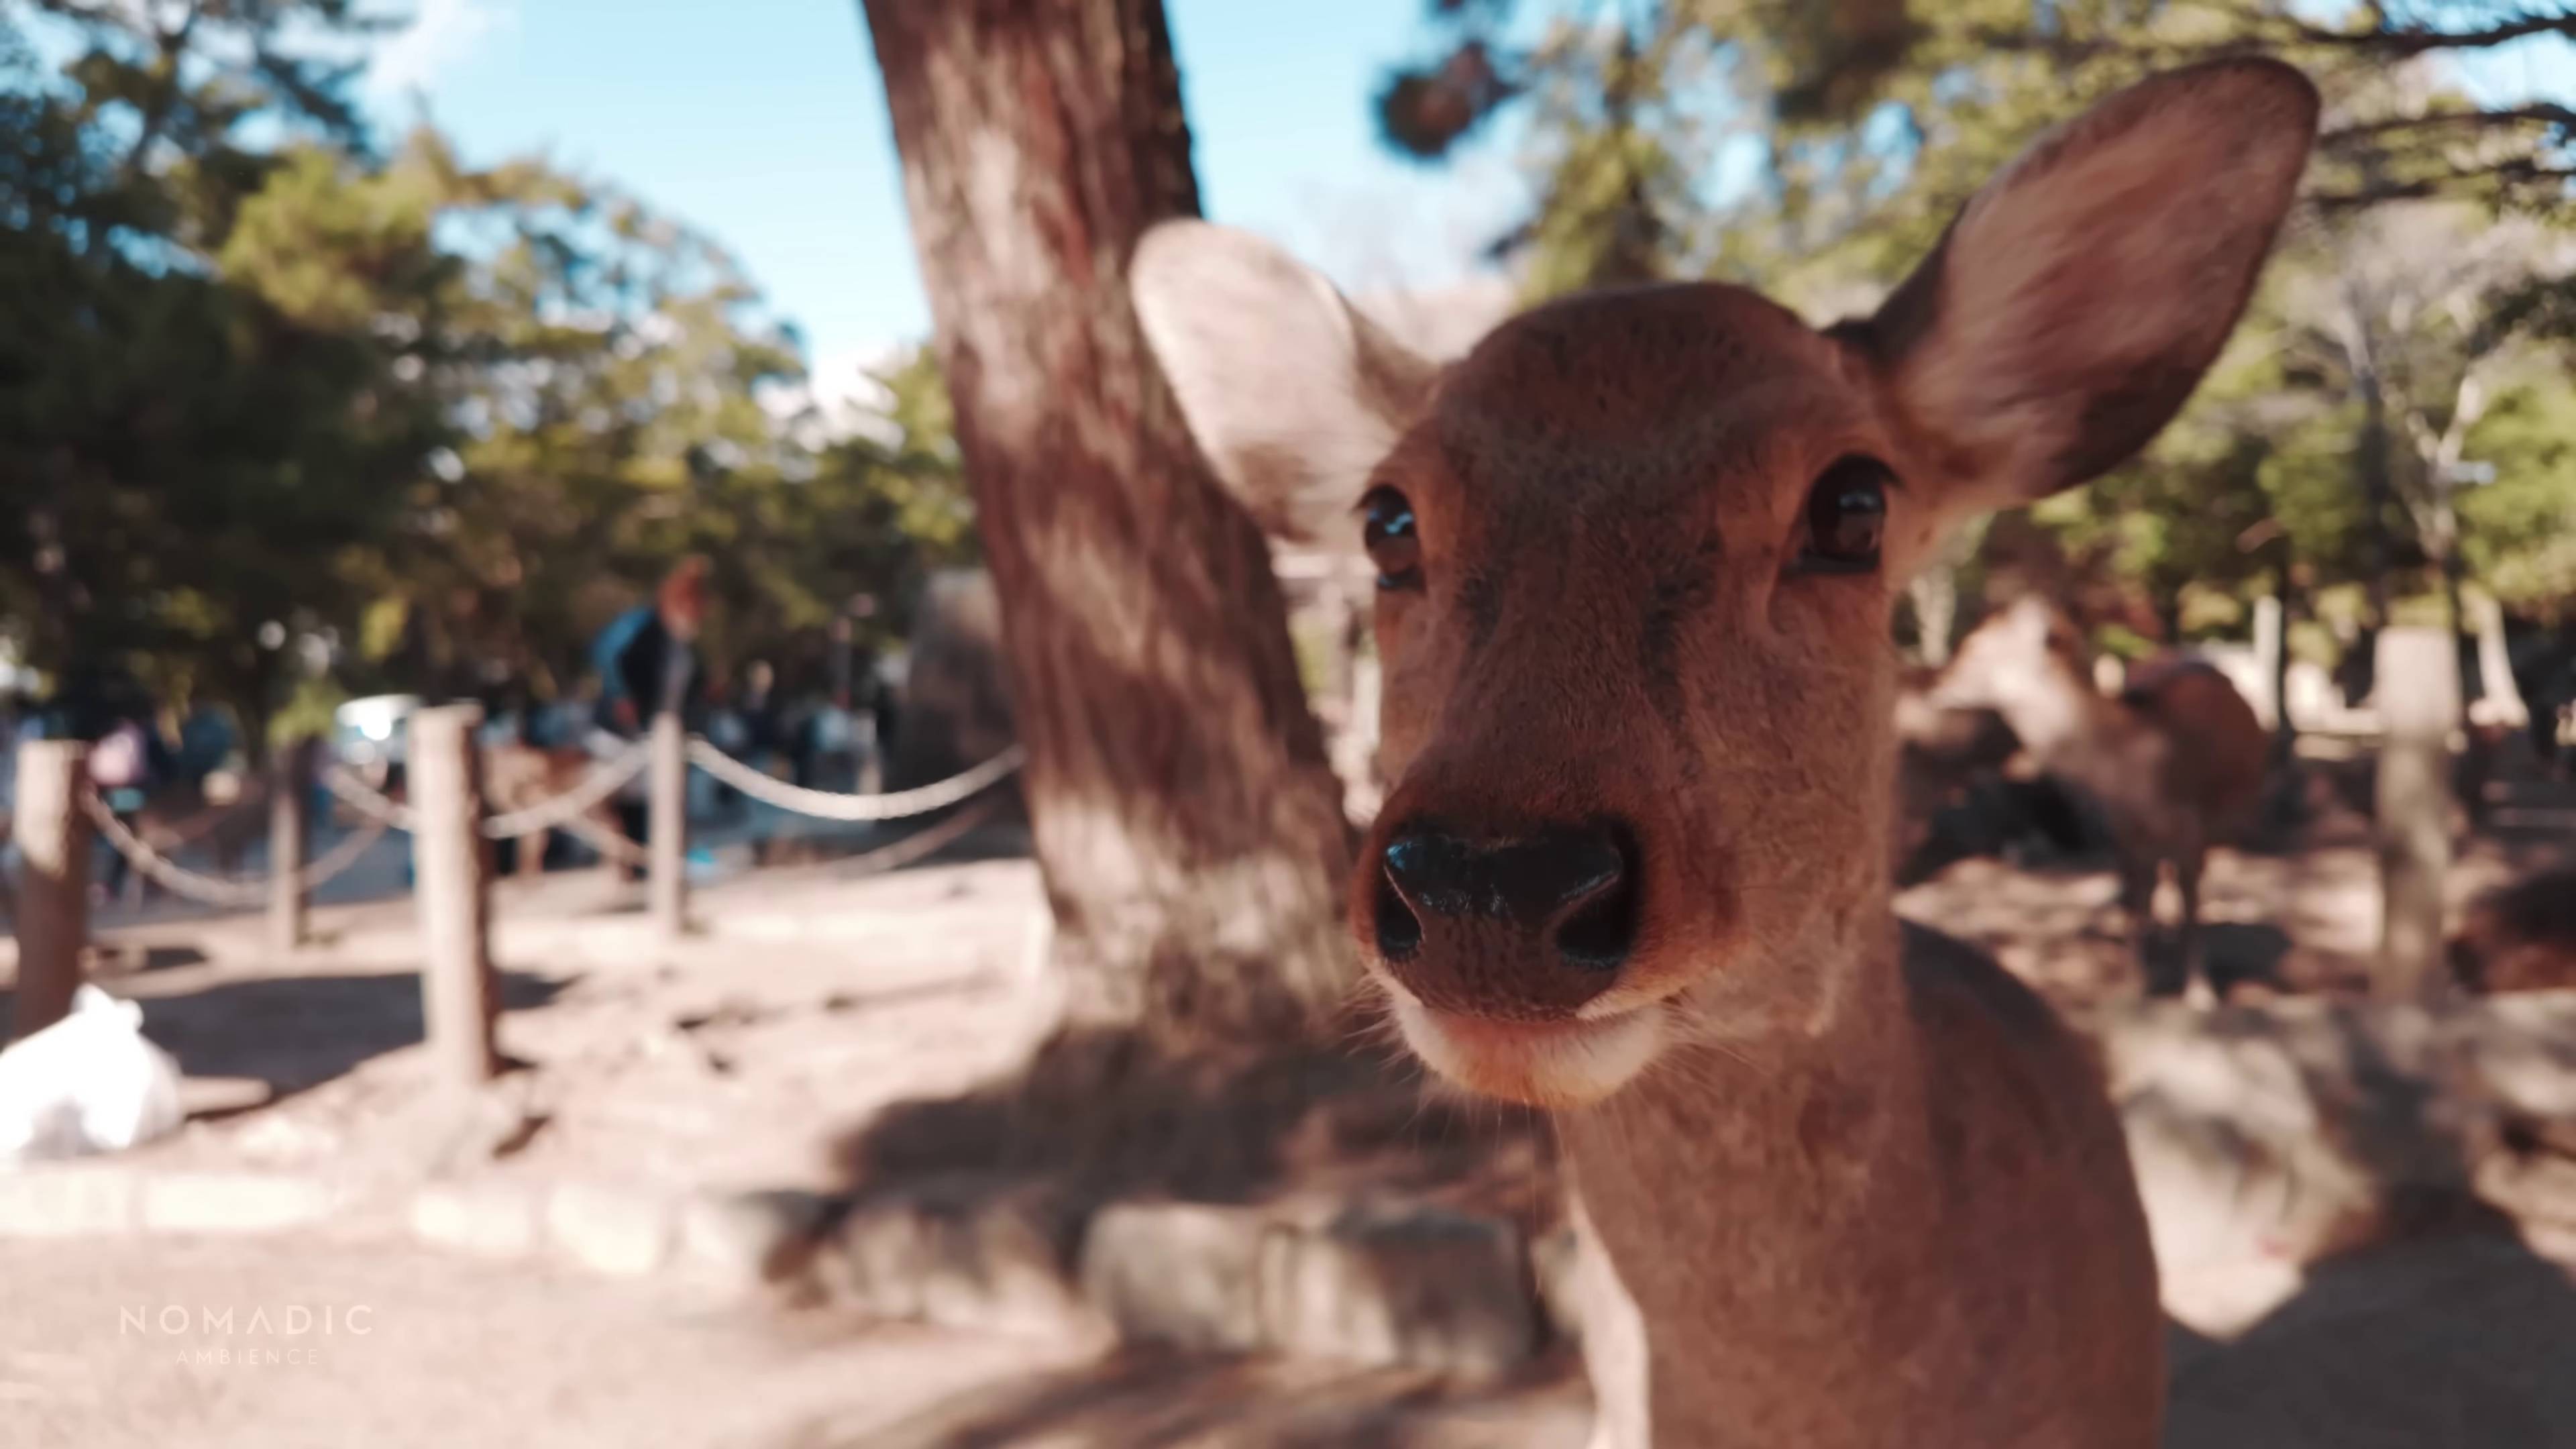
(2370, 459)
(2419, 679)
(1935, 595)
(1187, 824)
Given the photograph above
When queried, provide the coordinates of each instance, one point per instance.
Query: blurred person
(206, 742)
(760, 714)
(2542, 656)
(648, 665)
(725, 729)
(16, 723)
(122, 768)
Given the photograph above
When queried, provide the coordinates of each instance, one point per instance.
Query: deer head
(1636, 557)
(2026, 659)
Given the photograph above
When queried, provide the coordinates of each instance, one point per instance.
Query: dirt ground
(744, 1058)
(164, 1343)
(2299, 919)
(726, 1062)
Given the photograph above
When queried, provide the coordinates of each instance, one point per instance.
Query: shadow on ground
(2459, 1342)
(1102, 1116)
(1155, 1401)
(111, 959)
(297, 1032)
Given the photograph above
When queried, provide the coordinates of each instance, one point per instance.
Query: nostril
(1399, 931)
(1598, 926)
(1598, 934)
(1570, 888)
(1438, 873)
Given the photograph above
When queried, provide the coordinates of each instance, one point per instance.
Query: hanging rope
(604, 779)
(218, 890)
(830, 805)
(571, 809)
(919, 845)
(182, 834)
(364, 798)
(554, 813)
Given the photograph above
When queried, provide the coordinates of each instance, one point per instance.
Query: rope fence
(213, 890)
(209, 819)
(451, 866)
(587, 794)
(561, 811)
(919, 845)
(364, 798)
(572, 809)
(832, 805)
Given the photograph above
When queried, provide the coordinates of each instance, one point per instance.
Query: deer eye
(1847, 517)
(1386, 530)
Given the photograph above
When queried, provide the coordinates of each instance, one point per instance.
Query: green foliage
(310, 711)
(263, 381)
(179, 440)
(1817, 151)
(1875, 119)
(2521, 529)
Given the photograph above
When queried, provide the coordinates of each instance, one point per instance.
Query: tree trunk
(2371, 460)
(1935, 596)
(2419, 680)
(2455, 607)
(1188, 826)
(2285, 726)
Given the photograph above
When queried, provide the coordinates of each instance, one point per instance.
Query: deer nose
(1567, 889)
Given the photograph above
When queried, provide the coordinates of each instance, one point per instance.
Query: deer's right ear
(1292, 395)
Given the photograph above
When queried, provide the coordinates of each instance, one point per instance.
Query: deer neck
(1747, 1189)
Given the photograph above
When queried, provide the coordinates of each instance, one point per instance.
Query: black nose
(1572, 886)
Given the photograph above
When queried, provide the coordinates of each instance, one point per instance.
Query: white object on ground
(89, 1083)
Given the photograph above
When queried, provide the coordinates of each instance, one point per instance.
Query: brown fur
(2016, 1307)
(2223, 754)
(1863, 1188)
(1828, 1082)
(2176, 763)
(518, 776)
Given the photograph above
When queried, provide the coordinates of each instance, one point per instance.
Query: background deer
(521, 776)
(1637, 556)
(2175, 763)
(1964, 787)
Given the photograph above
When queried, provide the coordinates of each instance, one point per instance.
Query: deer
(2175, 763)
(1636, 556)
(521, 776)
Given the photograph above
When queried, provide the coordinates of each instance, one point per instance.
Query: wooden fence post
(290, 783)
(460, 996)
(871, 750)
(667, 831)
(53, 887)
(2417, 691)
(2271, 660)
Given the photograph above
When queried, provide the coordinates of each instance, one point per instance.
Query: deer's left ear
(2075, 302)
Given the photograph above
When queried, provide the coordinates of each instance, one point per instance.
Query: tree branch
(2520, 170)
(171, 45)
(2392, 42)
(2414, 40)
(2542, 113)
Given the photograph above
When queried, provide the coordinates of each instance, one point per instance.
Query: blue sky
(763, 123)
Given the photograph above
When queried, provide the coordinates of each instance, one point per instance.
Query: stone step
(1409, 1286)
